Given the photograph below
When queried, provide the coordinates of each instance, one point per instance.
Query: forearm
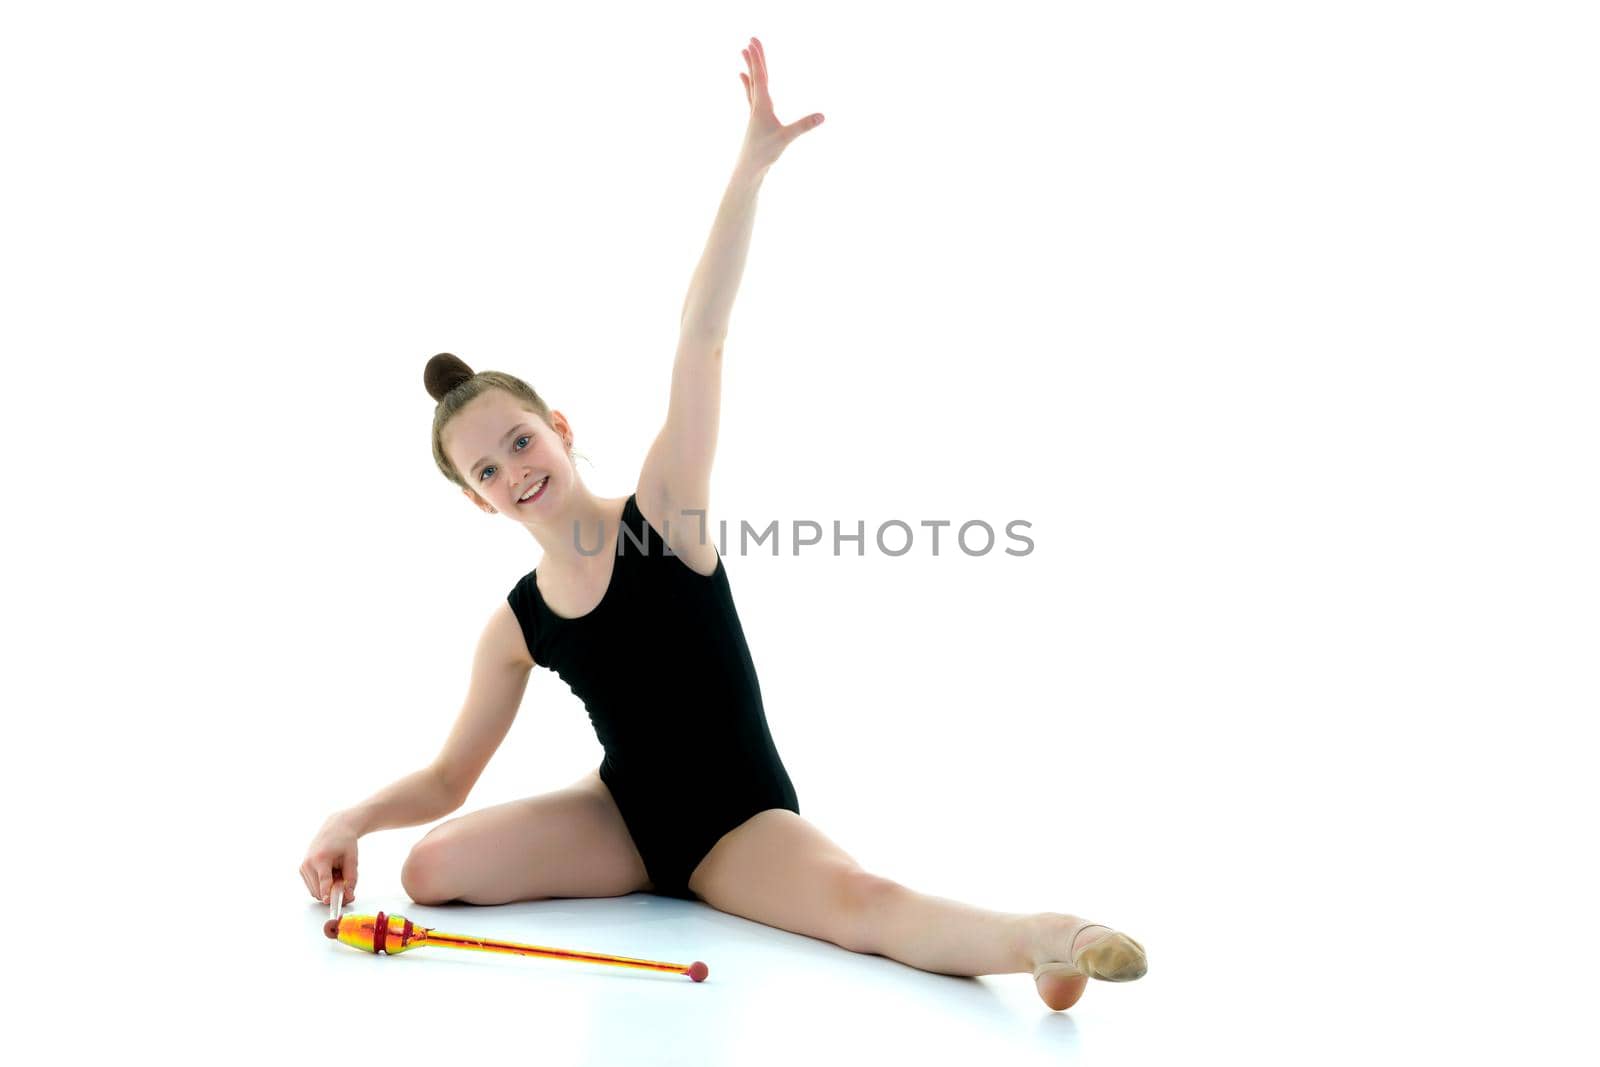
(419, 797)
(716, 280)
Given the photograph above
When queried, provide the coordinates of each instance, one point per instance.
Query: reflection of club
(390, 934)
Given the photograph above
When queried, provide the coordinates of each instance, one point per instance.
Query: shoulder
(687, 532)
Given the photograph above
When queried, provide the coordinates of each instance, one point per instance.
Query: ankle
(1047, 940)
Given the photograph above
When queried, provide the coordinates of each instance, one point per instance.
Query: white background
(1275, 321)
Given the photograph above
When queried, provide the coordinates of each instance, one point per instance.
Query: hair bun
(443, 373)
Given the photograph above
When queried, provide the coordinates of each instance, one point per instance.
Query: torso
(649, 628)
(573, 595)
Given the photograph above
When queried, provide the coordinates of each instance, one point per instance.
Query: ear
(562, 427)
(482, 504)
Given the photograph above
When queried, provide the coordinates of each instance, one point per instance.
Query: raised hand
(765, 138)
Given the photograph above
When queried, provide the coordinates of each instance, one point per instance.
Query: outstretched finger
(758, 80)
(795, 129)
(761, 59)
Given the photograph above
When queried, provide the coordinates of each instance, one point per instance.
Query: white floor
(771, 997)
(246, 976)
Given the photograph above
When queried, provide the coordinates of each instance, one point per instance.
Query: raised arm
(676, 476)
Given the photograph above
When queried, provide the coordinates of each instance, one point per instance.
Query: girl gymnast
(634, 611)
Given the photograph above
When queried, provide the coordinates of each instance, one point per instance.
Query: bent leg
(568, 843)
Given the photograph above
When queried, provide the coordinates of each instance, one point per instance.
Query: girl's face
(505, 452)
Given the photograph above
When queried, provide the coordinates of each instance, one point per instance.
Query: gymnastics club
(392, 934)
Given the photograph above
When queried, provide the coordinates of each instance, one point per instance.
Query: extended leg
(781, 871)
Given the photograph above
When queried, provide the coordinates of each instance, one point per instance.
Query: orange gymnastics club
(390, 934)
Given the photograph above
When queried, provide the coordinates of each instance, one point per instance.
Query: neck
(581, 519)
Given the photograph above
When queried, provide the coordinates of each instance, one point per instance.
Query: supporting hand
(765, 138)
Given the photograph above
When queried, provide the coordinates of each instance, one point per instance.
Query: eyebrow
(503, 440)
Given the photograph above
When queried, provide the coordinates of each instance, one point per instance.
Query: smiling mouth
(536, 492)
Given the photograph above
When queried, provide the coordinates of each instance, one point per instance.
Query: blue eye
(486, 470)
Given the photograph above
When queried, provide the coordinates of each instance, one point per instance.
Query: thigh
(568, 843)
(778, 869)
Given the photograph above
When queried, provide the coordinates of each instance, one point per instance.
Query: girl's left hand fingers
(758, 65)
(761, 58)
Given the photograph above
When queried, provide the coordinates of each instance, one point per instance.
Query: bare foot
(1109, 955)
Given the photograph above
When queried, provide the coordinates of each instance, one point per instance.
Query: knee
(866, 897)
(423, 874)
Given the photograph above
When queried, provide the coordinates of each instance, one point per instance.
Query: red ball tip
(697, 971)
(331, 928)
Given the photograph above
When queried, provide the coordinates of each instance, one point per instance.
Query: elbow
(451, 788)
(700, 345)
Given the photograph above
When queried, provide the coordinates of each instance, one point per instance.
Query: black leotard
(662, 666)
